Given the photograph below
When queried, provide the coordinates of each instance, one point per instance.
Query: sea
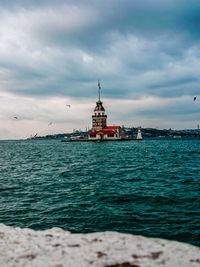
(149, 187)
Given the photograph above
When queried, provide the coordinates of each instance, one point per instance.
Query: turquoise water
(150, 187)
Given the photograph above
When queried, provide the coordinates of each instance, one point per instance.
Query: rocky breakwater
(58, 248)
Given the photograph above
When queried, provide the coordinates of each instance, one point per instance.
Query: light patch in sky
(87, 58)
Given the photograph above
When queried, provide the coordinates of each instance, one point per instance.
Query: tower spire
(99, 88)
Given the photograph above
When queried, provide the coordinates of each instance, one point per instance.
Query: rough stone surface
(58, 248)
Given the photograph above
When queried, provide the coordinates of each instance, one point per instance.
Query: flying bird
(195, 97)
(15, 118)
(50, 123)
(68, 106)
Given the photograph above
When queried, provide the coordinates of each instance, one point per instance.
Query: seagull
(15, 118)
(195, 97)
(68, 106)
(50, 123)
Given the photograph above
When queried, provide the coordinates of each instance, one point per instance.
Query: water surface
(150, 188)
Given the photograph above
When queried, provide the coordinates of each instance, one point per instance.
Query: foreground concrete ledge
(58, 248)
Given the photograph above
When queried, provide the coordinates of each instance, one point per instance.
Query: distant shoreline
(147, 133)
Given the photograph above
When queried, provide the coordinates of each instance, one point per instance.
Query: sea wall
(58, 248)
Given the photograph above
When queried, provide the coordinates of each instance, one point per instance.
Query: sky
(146, 53)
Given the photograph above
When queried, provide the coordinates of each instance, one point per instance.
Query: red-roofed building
(100, 130)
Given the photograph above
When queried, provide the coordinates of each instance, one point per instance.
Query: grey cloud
(142, 18)
(175, 82)
(169, 112)
(126, 40)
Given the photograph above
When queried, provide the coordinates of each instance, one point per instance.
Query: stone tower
(99, 119)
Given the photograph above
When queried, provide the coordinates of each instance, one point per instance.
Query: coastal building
(100, 129)
(139, 134)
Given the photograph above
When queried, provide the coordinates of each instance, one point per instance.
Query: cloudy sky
(145, 52)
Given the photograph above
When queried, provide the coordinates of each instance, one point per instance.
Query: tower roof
(99, 106)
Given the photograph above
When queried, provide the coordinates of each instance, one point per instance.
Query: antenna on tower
(99, 86)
